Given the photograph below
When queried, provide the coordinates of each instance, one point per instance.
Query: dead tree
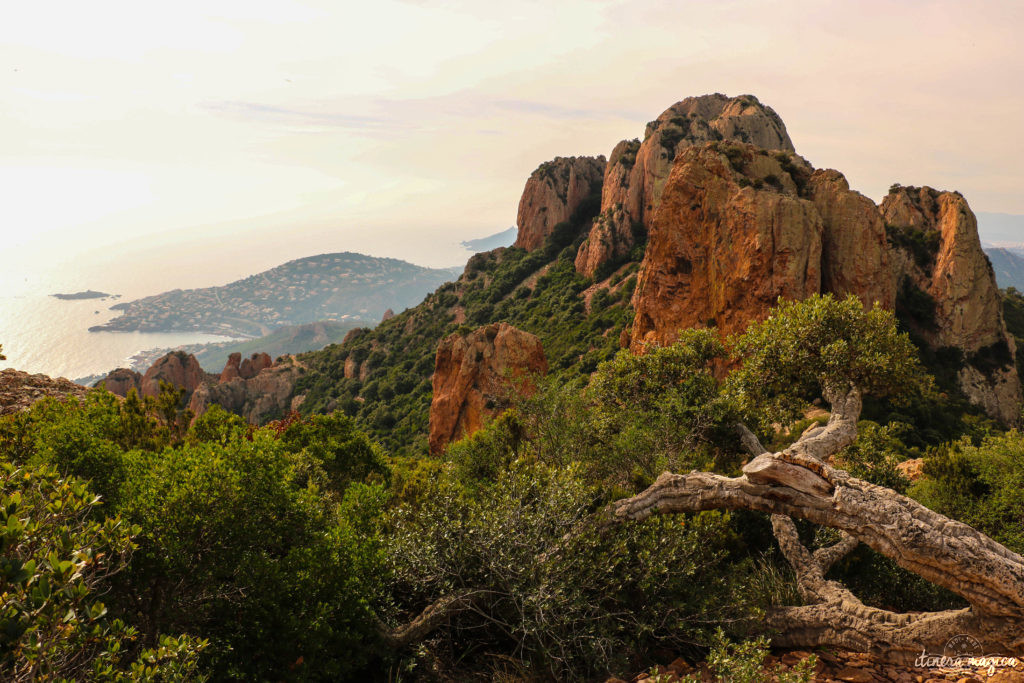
(799, 483)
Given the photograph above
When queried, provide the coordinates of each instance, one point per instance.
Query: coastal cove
(46, 335)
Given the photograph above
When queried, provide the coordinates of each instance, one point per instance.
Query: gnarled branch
(797, 482)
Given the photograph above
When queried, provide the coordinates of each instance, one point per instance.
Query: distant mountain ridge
(341, 287)
(1009, 267)
(1001, 229)
(505, 238)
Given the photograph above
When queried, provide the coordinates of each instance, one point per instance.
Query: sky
(254, 132)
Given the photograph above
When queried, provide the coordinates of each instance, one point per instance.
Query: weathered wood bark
(798, 482)
(429, 619)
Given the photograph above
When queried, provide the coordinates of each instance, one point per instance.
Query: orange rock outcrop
(177, 368)
(552, 195)
(473, 375)
(721, 251)
(636, 173)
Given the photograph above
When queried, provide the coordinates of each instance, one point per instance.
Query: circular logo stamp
(963, 645)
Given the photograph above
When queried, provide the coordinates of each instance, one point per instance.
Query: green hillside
(538, 291)
(343, 287)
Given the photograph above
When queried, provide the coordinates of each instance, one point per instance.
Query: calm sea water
(47, 335)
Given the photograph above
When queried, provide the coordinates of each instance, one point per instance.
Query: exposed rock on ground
(474, 373)
(948, 288)
(738, 226)
(19, 390)
(263, 396)
(722, 252)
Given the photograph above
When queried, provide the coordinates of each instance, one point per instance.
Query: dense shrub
(550, 586)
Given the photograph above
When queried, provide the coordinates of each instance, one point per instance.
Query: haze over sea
(46, 335)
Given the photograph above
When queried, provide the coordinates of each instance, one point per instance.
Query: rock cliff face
(178, 368)
(855, 251)
(121, 381)
(553, 193)
(263, 396)
(948, 290)
(730, 236)
(19, 390)
(636, 173)
(473, 374)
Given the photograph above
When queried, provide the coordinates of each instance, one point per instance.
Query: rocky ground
(840, 667)
(19, 390)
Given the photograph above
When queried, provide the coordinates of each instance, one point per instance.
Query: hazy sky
(399, 128)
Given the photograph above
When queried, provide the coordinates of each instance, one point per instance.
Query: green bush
(981, 485)
(55, 560)
(552, 588)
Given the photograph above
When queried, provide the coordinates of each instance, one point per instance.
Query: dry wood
(798, 482)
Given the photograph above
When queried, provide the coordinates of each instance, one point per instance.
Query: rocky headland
(343, 287)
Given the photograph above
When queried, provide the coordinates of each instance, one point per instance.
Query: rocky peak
(265, 395)
(636, 174)
(855, 250)
(948, 291)
(738, 226)
(121, 381)
(177, 368)
(552, 195)
(473, 374)
(230, 370)
(253, 365)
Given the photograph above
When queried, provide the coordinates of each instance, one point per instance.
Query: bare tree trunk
(798, 482)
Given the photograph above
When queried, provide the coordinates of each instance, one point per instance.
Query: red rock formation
(720, 251)
(636, 171)
(937, 252)
(251, 367)
(178, 368)
(19, 390)
(855, 251)
(388, 315)
(474, 373)
(268, 394)
(121, 381)
(230, 370)
(553, 193)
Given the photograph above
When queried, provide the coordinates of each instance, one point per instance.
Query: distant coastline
(87, 294)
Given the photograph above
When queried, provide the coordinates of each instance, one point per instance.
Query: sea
(43, 334)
